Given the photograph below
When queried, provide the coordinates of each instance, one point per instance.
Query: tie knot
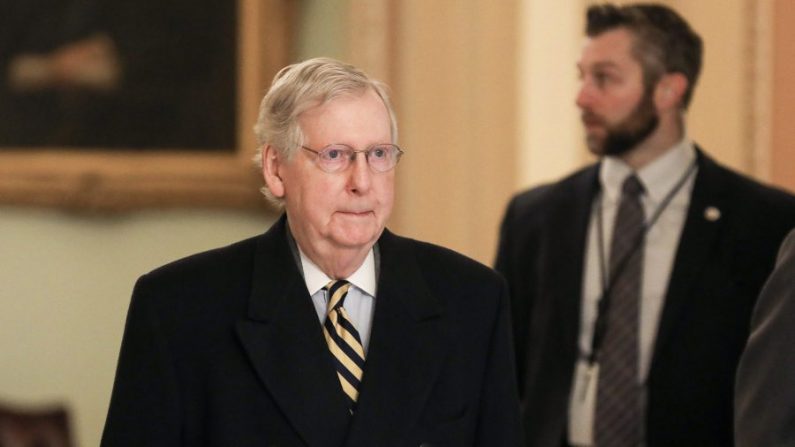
(337, 291)
(632, 186)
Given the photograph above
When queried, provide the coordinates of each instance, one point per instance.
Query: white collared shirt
(360, 301)
(659, 178)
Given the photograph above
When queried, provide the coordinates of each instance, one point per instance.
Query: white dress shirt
(360, 301)
(659, 178)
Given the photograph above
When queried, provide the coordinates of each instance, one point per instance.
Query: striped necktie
(343, 341)
(618, 408)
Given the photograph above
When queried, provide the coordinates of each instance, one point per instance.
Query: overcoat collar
(283, 339)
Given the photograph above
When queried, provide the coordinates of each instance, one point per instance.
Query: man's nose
(361, 174)
(584, 95)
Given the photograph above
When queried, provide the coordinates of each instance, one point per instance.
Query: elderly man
(328, 330)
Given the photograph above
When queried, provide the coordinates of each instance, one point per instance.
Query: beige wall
(455, 81)
(718, 119)
(65, 285)
(65, 279)
(445, 49)
(783, 105)
(550, 136)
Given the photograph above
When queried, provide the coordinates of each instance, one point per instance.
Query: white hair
(303, 86)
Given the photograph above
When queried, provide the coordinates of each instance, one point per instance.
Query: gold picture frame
(97, 180)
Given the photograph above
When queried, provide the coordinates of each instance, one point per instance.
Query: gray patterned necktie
(618, 405)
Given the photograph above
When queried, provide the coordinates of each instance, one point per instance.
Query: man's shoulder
(457, 282)
(746, 192)
(438, 261)
(232, 259)
(755, 217)
(214, 283)
(534, 203)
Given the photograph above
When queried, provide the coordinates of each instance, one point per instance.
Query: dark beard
(627, 134)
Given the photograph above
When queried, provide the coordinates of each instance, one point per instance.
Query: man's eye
(378, 153)
(602, 79)
(333, 154)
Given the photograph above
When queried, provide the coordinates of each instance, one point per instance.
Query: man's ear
(670, 91)
(272, 164)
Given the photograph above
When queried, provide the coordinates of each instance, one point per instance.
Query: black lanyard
(600, 326)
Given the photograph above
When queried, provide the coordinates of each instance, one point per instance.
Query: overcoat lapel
(699, 240)
(283, 339)
(407, 347)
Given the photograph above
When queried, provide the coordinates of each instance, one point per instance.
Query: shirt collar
(658, 177)
(363, 278)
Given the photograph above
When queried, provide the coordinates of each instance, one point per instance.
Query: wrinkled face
(341, 210)
(617, 109)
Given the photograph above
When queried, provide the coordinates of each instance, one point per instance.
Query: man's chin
(356, 237)
(603, 147)
(596, 145)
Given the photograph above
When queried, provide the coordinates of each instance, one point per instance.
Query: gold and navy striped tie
(343, 341)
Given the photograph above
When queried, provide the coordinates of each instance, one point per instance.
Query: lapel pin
(711, 213)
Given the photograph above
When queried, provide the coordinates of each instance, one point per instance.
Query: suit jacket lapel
(406, 349)
(560, 303)
(284, 341)
(698, 241)
(568, 229)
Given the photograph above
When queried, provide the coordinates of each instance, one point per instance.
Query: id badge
(582, 405)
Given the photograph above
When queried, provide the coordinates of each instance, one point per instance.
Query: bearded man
(632, 281)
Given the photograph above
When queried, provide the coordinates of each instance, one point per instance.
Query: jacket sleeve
(144, 406)
(508, 264)
(499, 422)
(765, 389)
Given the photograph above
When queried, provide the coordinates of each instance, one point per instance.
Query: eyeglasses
(338, 157)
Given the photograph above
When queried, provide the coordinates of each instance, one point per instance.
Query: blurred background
(485, 93)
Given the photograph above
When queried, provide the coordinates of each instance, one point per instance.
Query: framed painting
(112, 105)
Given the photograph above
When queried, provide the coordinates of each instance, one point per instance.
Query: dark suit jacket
(719, 269)
(765, 393)
(224, 348)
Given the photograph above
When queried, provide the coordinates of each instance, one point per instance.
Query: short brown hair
(664, 41)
